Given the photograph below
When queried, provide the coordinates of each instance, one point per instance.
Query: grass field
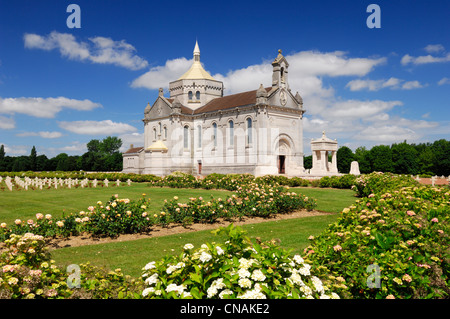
(131, 256)
(25, 204)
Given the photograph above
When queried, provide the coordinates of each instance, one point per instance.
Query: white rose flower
(205, 257)
(243, 273)
(219, 250)
(245, 283)
(258, 275)
(150, 265)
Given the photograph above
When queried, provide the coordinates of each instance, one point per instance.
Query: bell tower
(196, 87)
(280, 72)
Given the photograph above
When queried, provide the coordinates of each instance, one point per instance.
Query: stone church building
(200, 131)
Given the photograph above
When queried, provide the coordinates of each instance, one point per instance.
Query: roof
(226, 102)
(196, 72)
(134, 150)
(157, 146)
(324, 138)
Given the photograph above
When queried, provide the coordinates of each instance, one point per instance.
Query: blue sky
(60, 87)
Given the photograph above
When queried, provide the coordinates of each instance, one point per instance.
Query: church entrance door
(281, 164)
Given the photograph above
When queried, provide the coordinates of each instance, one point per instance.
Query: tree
(307, 162)
(62, 163)
(362, 157)
(21, 164)
(2, 158)
(344, 157)
(32, 159)
(42, 163)
(94, 146)
(405, 160)
(380, 158)
(426, 160)
(441, 163)
(103, 155)
(111, 145)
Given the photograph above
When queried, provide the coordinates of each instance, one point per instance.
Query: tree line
(399, 158)
(102, 155)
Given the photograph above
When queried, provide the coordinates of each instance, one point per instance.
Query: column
(334, 162)
(323, 161)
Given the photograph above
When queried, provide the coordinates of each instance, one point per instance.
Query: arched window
(165, 132)
(199, 134)
(186, 136)
(249, 130)
(154, 133)
(215, 133)
(160, 127)
(231, 127)
(190, 95)
(197, 95)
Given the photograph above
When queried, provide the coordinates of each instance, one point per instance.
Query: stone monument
(354, 168)
(320, 149)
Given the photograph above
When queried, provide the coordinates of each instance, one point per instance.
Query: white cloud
(99, 50)
(375, 85)
(43, 134)
(424, 59)
(443, 81)
(410, 85)
(340, 118)
(386, 134)
(43, 107)
(76, 148)
(160, 76)
(15, 150)
(305, 70)
(106, 127)
(434, 48)
(360, 109)
(137, 139)
(7, 123)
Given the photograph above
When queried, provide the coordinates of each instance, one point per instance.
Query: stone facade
(198, 130)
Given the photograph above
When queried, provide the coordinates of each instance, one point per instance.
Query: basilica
(199, 130)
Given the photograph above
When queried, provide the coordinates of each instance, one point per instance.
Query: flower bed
(250, 200)
(27, 272)
(123, 216)
(403, 233)
(238, 269)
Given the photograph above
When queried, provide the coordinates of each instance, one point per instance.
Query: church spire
(196, 52)
(196, 71)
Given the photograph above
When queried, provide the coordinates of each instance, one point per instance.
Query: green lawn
(131, 256)
(26, 204)
(328, 199)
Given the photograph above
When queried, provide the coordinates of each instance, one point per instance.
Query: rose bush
(404, 231)
(124, 216)
(237, 269)
(28, 272)
(378, 182)
(251, 199)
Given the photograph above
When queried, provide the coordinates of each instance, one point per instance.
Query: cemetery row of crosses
(40, 183)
